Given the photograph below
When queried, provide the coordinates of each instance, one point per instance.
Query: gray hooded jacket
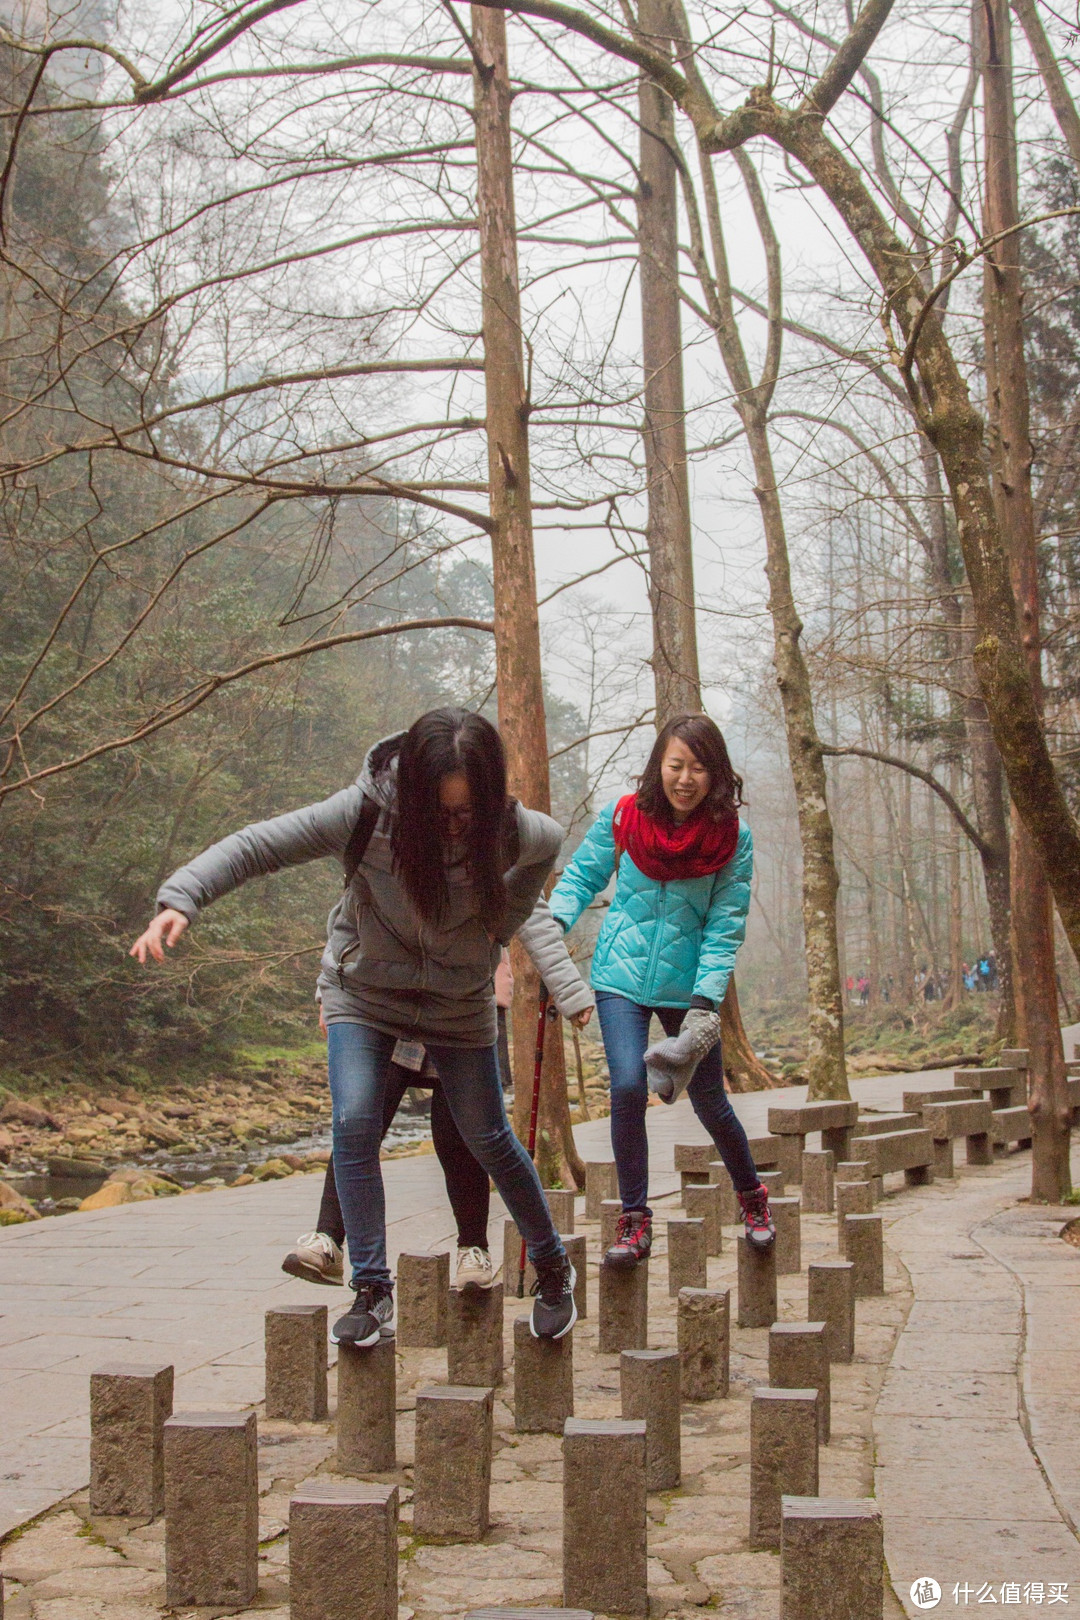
(383, 964)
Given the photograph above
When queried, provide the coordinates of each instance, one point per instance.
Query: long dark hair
(441, 743)
(705, 739)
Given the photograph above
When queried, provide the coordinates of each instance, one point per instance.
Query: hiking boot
(633, 1240)
(554, 1312)
(369, 1318)
(757, 1222)
(475, 1272)
(317, 1259)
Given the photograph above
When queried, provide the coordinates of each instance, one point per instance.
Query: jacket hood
(378, 774)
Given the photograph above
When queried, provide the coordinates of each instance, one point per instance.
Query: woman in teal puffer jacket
(682, 862)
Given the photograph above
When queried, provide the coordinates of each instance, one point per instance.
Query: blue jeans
(359, 1059)
(624, 1025)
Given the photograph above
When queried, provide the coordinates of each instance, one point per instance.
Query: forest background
(241, 366)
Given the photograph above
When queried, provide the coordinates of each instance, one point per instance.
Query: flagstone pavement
(976, 1428)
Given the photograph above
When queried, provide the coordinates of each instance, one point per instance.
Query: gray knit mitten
(670, 1064)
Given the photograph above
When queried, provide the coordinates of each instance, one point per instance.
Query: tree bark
(1038, 1026)
(1053, 79)
(517, 628)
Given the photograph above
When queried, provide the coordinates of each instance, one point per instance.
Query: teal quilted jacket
(661, 943)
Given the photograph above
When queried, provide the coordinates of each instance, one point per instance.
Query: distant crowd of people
(978, 976)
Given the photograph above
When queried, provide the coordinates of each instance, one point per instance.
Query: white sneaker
(474, 1268)
(316, 1258)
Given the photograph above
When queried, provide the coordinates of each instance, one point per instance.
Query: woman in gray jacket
(451, 870)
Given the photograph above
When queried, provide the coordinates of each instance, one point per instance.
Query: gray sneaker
(317, 1259)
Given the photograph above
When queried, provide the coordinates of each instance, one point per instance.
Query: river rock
(108, 1196)
(76, 1169)
(12, 1202)
(17, 1112)
(272, 1170)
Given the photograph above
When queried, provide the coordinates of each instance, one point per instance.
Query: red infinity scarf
(667, 853)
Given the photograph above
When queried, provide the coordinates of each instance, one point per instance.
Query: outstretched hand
(165, 929)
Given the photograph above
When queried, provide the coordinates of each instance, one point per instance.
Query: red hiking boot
(757, 1222)
(633, 1241)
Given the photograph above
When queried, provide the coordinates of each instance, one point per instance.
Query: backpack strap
(360, 838)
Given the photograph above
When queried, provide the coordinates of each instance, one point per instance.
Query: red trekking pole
(538, 1069)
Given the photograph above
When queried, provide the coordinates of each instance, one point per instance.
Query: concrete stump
(367, 1408)
(703, 1204)
(543, 1381)
(601, 1182)
(978, 1150)
(576, 1248)
(787, 1218)
(783, 1457)
(757, 1285)
(865, 1248)
(944, 1159)
(343, 1551)
(423, 1281)
(704, 1328)
(687, 1256)
(624, 1309)
(773, 1182)
(789, 1158)
(295, 1348)
(452, 1472)
(830, 1298)
(128, 1407)
(831, 1558)
(610, 1210)
(730, 1213)
(852, 1198)
(474, 1336)
(799, 1359)
(817, 1183)
(211, 1509)
(512, 1260)
(604, 1552)
(561, 1204)
(649, 1383)
(530, 1614)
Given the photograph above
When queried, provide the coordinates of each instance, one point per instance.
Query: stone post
(831, 1559)
(610, 1210)
(783, 1457)
(367, 1408)
(423, 1282)
(853, 1170)
(704, 1328)
(687, 1252)
(601, 1182)
(830, 1298)
(773, 1182)
(343, 1551)
(817, 1183)
(575, 1247)
(211, 1510)
(624, 1309)
(452, 1472)
(543, 1381)
(511, 1262)
(865, 1248)
(561, 1204)
(852, 1198)
(128, 1407)
(787, 1218)
(474, 1333)
(703, 1204)
(295, 1348)
(604, 1552)
(757, 1285)
(730, 1213)
(789, 1160)
(649, 1382)
(799, 1359)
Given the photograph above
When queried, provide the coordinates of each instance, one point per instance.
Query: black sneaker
(368, 1318)
(554, 1312)
(633, 1240)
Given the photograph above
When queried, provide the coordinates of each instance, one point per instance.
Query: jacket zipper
(654, 954)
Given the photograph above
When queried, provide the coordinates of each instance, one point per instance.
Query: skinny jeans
(360, 1059)
(624, 1025)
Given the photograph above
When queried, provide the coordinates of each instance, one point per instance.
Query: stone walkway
(961, 1411)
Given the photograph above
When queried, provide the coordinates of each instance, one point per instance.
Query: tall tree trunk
(517, 628)
(668, 526)
(1038, 1025)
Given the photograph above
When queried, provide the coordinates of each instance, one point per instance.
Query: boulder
(17, 1112)
(84, 1169)
(108, 1196)
(14, 1203)
(156, 1130)
(272, 1170)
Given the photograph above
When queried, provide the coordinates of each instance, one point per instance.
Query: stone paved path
(961, 1412)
